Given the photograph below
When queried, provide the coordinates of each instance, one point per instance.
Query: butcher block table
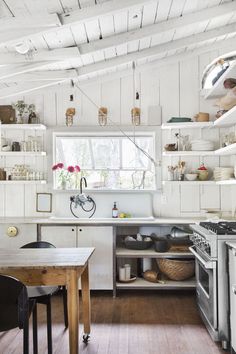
(55, 266)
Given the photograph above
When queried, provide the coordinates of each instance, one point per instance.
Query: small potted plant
(21, 108)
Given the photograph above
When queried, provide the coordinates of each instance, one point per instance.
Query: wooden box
(7, 115)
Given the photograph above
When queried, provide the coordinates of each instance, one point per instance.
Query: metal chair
(15, 307)
(42, 295)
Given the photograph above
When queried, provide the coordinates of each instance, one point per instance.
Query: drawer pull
(234, 289)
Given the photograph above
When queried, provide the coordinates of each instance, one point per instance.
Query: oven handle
(206, 265)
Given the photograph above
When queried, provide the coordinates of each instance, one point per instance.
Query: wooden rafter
(158, 28)
(162, 48)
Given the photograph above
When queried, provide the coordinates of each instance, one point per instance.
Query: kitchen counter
(100, 221)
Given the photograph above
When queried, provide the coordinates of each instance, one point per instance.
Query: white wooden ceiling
(99, 36)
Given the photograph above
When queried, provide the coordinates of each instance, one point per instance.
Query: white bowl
(191, 176)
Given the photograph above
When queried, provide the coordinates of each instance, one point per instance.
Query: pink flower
(71, 169)
(54, 167)
(77, 168)
(60, 165)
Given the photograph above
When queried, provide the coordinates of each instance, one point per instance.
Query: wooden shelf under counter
(150, 253)
(141, 283)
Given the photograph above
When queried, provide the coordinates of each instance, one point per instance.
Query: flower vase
(62, 185)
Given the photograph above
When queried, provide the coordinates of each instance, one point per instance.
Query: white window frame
(109, 134)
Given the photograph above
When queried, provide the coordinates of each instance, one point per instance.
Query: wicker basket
(176, 269)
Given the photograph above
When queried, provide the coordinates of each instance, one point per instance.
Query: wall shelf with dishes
(188, 125)
(188, 153)
(23, 127)
(189, 183)
(23, 145)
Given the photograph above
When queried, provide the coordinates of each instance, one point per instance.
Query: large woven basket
(176, 269)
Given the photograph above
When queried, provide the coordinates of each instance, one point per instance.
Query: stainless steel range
(210, 254)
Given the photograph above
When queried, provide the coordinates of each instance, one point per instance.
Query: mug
(202, 117)
(15, 146)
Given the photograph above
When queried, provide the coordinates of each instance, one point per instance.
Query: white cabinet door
(26, 233)
(59, 236)
(232, 274)
(101, 262)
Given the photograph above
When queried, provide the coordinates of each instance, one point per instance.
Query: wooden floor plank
(133, 323)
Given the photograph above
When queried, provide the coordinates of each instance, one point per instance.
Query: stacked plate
(223, 173)
(202, 145)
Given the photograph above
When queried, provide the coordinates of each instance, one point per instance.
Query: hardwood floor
(133, 323)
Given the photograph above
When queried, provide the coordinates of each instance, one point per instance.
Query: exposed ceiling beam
(72, 17)
(59, 54)
(27, 88)
(32, 21)
(158, 63)
(147, 31)
(101, 9)
(162, 48)
(47, 75)
(18, 70)
(14, 29)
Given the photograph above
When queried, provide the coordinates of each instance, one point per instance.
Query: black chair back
(39, 244)
(14, 306)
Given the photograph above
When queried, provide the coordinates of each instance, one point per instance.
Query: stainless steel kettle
(176, 232)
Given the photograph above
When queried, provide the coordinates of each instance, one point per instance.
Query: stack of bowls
(223, 173)
(202, 145)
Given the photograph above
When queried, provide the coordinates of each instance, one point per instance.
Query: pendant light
(135, 111)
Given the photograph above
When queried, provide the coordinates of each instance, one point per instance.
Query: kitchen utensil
(161, 245)
(138, 245)
(176, 232)
(191, 176)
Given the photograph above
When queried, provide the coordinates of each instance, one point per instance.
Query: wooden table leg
(86, 299)
(73, 310)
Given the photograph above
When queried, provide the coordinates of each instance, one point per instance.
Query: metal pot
(179, 233)
(161, 245)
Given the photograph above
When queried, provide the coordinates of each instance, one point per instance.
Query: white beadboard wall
(175, 87)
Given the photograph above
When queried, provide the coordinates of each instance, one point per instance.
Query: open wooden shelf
(188, 153)
(23, 126)
(22, 153)
(226, 182)
(226, 120)
(189, 183)
(150, 253)
(188, 125)
(24, 182)
(141, 283)
(218, 88)
(227, 150)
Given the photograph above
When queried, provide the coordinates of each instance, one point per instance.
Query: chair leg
(26, 335)
(35, 330)
(49, 324)
(64, 294)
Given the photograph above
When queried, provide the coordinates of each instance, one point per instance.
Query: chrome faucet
(81, 184)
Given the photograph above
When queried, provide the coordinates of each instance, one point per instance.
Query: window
(107, 162)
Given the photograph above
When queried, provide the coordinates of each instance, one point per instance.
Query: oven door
(206, 288)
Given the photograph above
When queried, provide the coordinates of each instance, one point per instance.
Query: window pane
(106, 153)
(73, 151)
(134, 158)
